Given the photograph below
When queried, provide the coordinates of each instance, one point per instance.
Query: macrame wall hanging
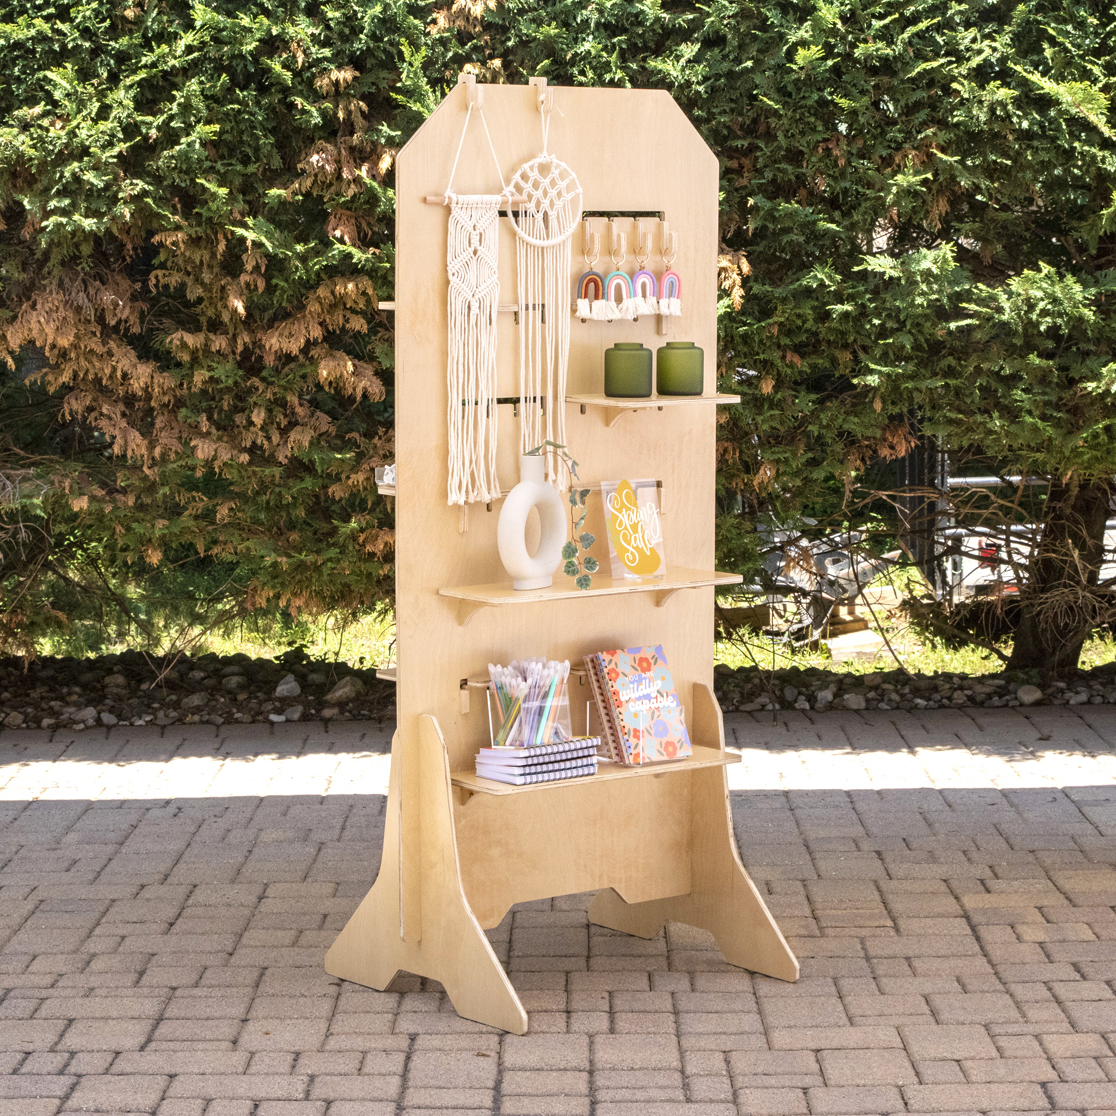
(472, 261)
(546, 211)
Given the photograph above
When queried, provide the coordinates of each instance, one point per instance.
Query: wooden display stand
(655, 841)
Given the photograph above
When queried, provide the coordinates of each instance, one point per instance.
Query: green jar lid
(679, 345)
(628, 345)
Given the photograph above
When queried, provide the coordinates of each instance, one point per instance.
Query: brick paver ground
(947, 882)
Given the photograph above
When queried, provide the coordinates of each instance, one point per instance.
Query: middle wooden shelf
(614, 407)
(470, 598)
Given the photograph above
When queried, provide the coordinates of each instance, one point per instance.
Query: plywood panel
(649, 158)
(660, 843)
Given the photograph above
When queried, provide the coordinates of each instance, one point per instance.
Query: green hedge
(918, 217)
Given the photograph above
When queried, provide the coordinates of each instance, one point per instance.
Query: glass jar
(679, 369)
(628, 371)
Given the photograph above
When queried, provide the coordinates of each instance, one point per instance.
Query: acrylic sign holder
(655, 841)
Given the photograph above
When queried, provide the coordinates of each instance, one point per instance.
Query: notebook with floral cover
(643, 707)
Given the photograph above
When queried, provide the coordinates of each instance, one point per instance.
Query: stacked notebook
(540, 764)
(643, 720)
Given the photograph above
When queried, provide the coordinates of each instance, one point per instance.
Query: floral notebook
(643, 708)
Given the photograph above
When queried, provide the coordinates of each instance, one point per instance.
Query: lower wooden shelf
(702, 757)
(473, 597)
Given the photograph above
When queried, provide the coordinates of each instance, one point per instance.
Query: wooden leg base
(416, 917)
(722, 898)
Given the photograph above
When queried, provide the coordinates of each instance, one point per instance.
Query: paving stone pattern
(162, 953)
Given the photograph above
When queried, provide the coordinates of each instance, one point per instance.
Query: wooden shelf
(702, 757)
(614, 408)
(470, 598)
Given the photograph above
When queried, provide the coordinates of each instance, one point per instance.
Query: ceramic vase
(628, 371)
(678, 369)
(531, 571)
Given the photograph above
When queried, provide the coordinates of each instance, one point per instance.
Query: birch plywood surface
(460, 852)
(649, 158)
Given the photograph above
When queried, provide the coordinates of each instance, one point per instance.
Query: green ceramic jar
(628, 371)
(679, 369)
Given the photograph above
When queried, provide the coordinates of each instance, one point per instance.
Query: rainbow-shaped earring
(670, 294)
(645, 292)
(617, 301)
(590, 290)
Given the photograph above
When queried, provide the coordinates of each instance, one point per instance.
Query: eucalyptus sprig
(578, 565)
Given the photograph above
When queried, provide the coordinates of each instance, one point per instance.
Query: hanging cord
(461, 144)
(544, 115)
(492, 148)
(545, 110)
(472, 261)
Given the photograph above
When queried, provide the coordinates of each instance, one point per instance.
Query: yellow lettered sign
(633, 530)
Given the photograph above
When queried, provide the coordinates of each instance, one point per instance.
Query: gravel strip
(750, 690)
(135, 689)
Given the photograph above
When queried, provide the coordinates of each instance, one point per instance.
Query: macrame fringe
(472, 260)
(604, 310)
(544, 337)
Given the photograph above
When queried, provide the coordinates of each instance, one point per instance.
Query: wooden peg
(545, 96)
(505, 200)
(592, 243)
(643, 244)
(670, 244)
(619, 244)
(474, 93)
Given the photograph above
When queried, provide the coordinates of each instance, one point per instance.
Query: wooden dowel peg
(669, 244)
(643, 244)
(618, 246)
(505, 202)
(474, 93)
(592, 243)
(545, 96)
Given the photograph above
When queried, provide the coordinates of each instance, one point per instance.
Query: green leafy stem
(577, 564)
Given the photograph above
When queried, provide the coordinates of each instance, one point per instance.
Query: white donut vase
(531, 571)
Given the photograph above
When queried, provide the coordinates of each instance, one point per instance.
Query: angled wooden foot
(722, 899)
(416, 916)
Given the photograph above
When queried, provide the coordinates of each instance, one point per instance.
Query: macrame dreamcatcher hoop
(472, 263)
(544, 216)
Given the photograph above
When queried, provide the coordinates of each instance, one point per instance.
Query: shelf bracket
(612, 415)
(664, 595)
(465, 610)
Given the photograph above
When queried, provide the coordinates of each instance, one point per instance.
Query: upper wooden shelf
(614, 408)
(702, 757)
(470, 598)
